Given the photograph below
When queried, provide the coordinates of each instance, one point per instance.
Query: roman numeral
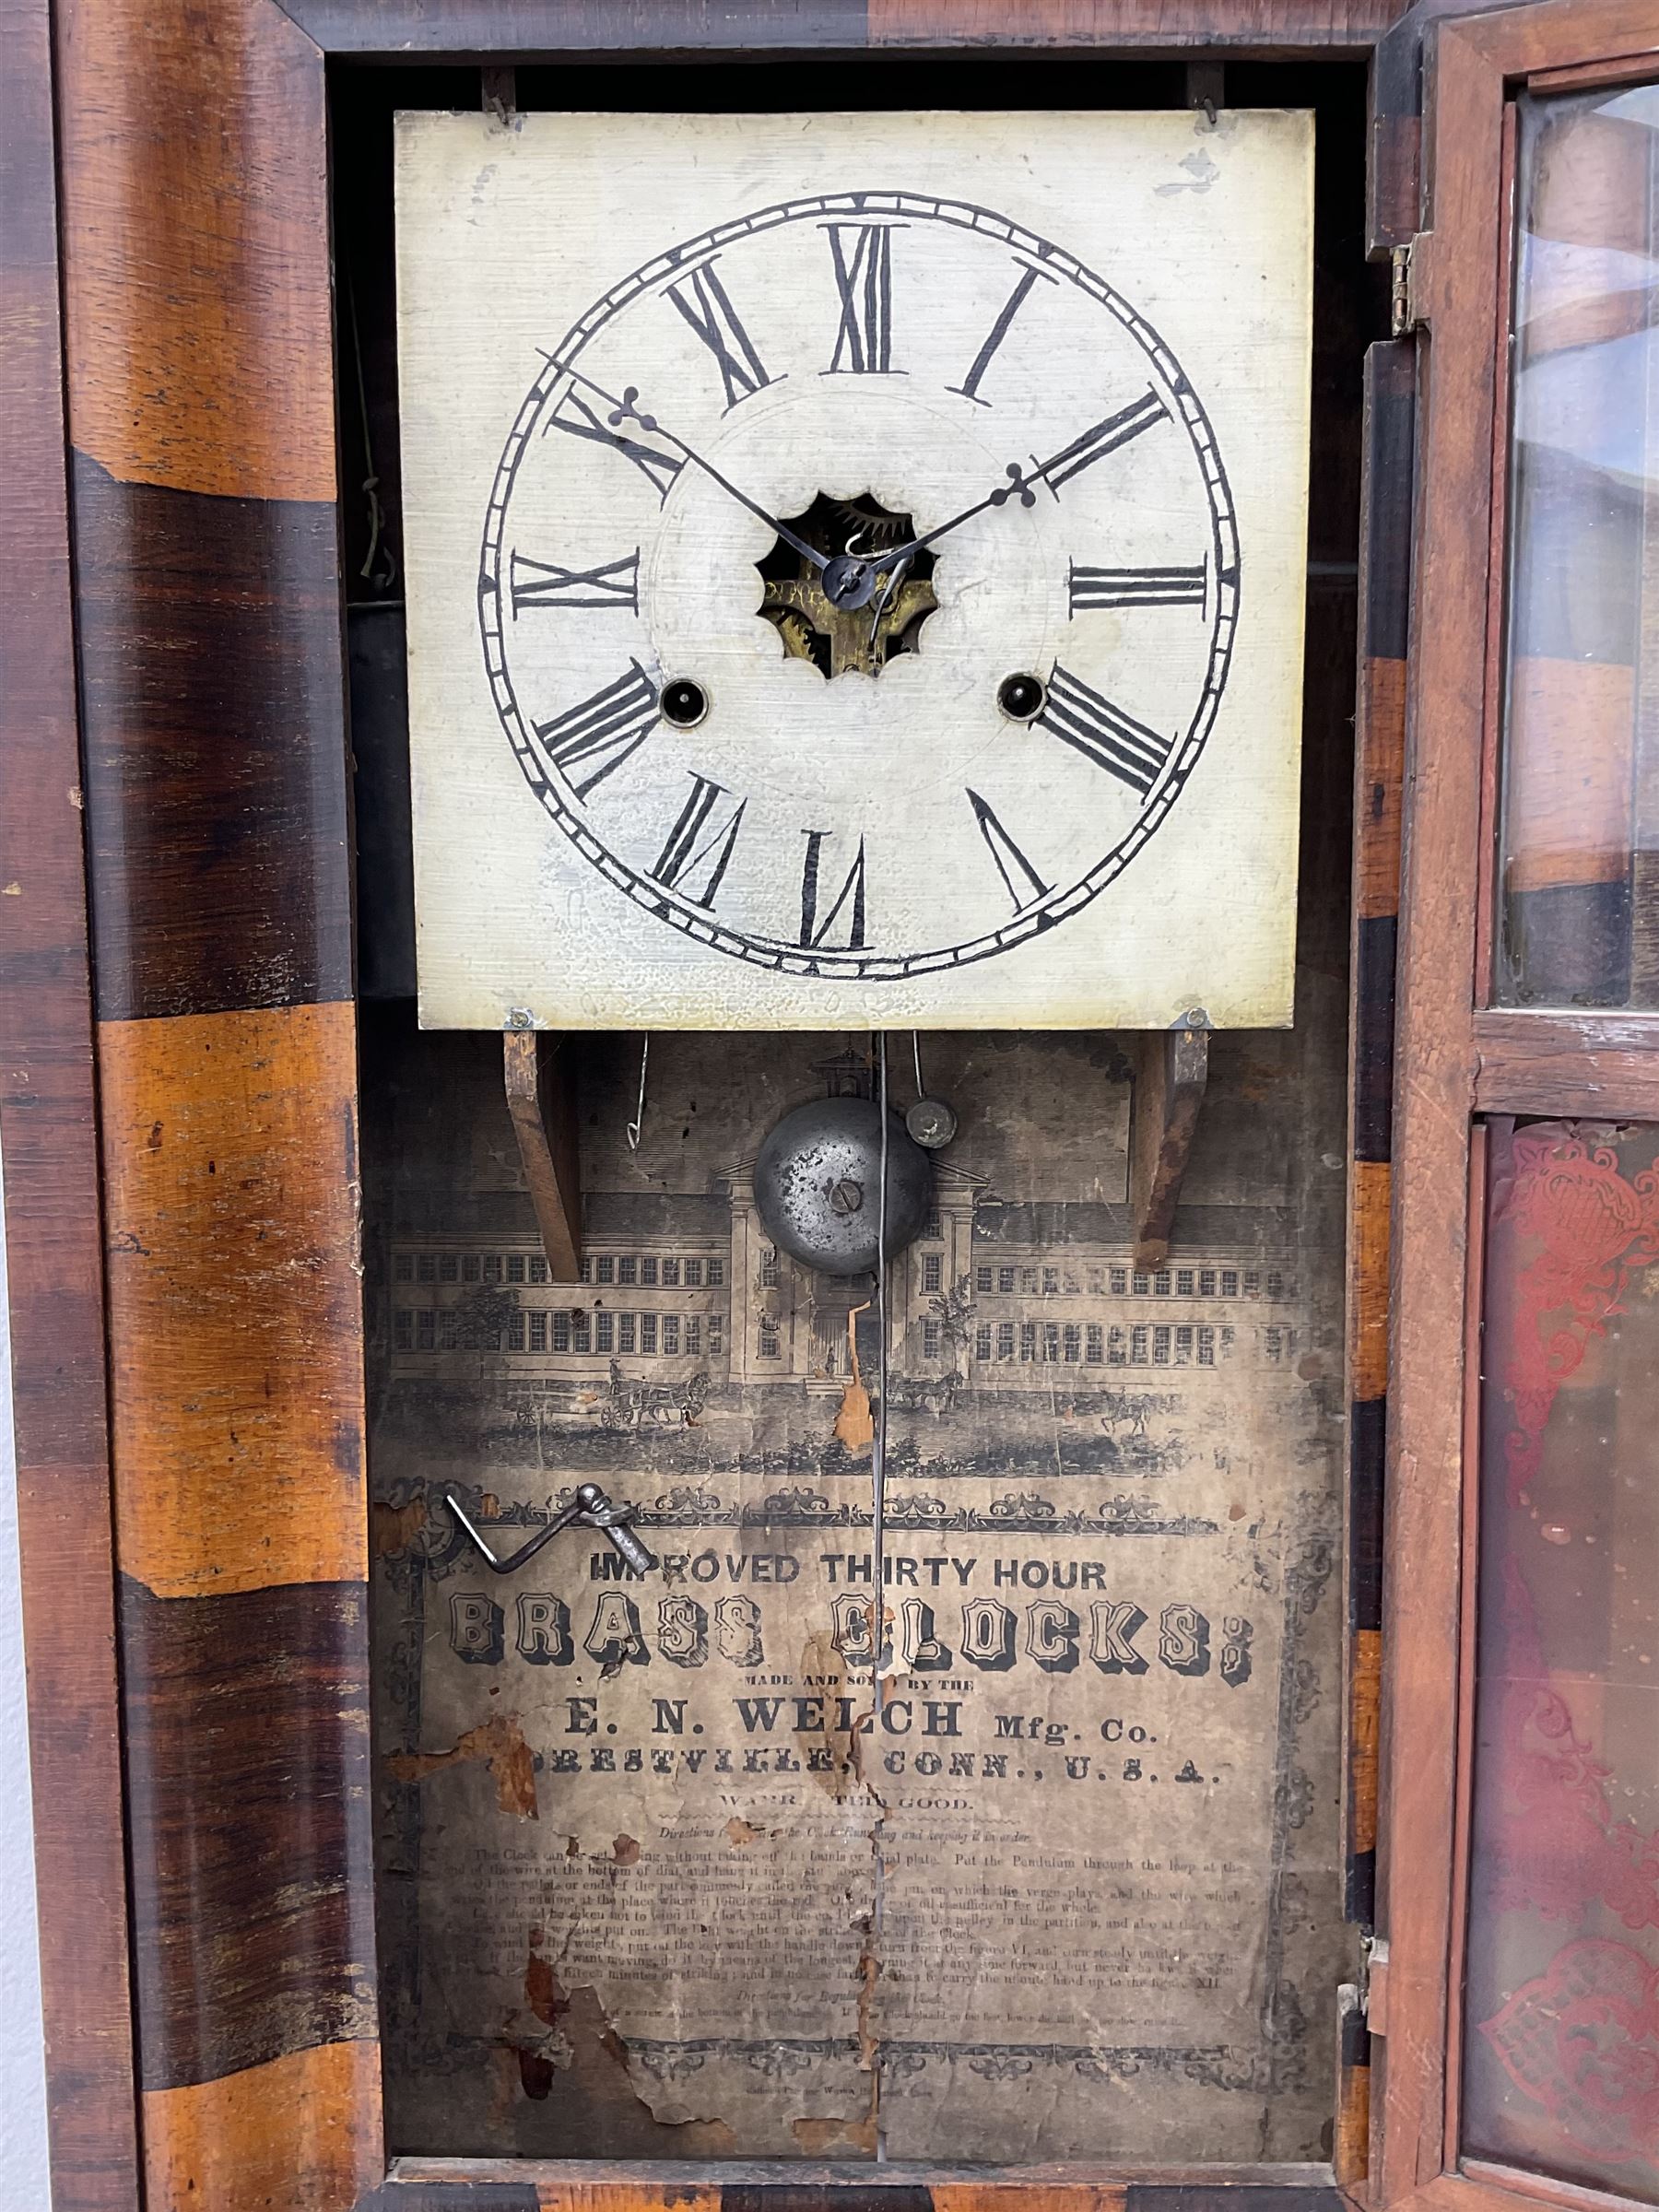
(970, 385)
(687, 847)
(1103, 732)
(714, 319)
(1011, 864)
(1135, 587)
(598, 736)
(545, 584)
(1103, 439)
(660, 468)
(814, 932)
(864, 279)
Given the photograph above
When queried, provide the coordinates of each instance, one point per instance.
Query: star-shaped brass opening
(847, 640)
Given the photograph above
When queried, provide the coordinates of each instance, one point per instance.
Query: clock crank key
(589, 1506)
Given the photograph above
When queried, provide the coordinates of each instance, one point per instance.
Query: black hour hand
(1096, 443)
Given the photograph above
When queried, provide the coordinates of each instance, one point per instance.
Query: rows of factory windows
(672, 1336)
(1093, 1344)
(1121, 1282)
(648, 1271)
(644, 1269)
(559, 1329)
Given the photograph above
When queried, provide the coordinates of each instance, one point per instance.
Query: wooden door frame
(188, 1328)
(1457, 1058)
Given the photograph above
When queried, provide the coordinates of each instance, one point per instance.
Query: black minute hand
(1095, 444)
(627, 409)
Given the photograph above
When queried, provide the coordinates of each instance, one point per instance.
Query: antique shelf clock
(831, 1119)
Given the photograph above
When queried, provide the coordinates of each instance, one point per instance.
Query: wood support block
(542, 1102)
(1173, 1068)
(1206, 85)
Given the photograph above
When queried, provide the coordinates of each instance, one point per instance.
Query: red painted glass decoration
(1561, 2013)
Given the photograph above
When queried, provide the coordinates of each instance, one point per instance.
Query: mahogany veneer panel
(290, 2133)
(1256, 26)
(198, 308)
(247, 1757)
(215, 748)
(235, 1326)
(530, 28)
(197, 287)
(1379, 773)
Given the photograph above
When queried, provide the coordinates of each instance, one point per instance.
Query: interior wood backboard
(194, 232)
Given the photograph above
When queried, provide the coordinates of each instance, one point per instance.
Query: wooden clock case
(177, 984)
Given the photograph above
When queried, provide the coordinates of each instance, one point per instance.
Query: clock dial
(858, 585)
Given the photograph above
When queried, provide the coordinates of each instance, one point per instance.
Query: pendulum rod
(878, 1556)
(879, 1451)
(632, 1131)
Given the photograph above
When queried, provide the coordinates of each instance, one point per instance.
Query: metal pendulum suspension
(930, 1121)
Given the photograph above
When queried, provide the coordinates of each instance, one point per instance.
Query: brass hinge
(1409, 266)
(1373, 1983)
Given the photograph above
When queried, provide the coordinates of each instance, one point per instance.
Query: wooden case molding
(53, 1236)
(1380, 746)
(219, 1520)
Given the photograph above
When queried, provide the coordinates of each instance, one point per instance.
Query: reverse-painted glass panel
(1562, 2035)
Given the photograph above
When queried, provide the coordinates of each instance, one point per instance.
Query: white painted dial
(949, 366)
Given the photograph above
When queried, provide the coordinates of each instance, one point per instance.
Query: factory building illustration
(993, 1295)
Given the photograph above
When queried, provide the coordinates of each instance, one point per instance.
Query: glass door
(1521, 2051)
